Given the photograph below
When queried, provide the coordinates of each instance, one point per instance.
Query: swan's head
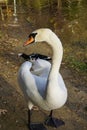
(39, 35)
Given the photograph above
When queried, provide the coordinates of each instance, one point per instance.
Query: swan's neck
(53, 86)
(57, 55)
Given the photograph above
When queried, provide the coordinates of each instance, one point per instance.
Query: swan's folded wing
(41, 85)
(41, 68)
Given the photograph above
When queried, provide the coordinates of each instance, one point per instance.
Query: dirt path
(74, 113)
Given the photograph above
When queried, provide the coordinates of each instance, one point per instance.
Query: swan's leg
(54, 122)
(29, 118)
(34, 126)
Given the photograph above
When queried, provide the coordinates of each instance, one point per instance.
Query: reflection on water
(52, 12)
(69, 17)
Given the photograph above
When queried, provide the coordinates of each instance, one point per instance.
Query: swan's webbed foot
(53, 122)
(37, 126)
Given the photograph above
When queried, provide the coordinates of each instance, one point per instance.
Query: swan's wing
(31, 85)
(41, 67)
(40, 83)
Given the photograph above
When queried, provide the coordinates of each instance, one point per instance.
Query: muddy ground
(74, 112)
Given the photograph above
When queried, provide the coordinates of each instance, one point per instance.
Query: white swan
(50, 92)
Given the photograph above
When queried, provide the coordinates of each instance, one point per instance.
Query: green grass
(76, 64)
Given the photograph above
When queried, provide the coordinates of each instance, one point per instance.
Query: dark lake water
(68, 19)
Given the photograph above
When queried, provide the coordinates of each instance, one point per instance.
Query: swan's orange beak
(29, 41)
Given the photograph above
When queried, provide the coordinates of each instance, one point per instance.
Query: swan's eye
(32, 35)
